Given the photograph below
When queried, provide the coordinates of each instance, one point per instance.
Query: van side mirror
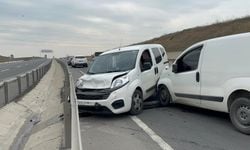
(174, 68)
(146, 66)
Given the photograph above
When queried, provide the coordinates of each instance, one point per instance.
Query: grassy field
(181, 40)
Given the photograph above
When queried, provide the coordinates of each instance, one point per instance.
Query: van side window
(146, 61)
(190, 60)
(162, 52)
(157, 55)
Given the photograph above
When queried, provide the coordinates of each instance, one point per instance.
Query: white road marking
(152, 134)
(4, 70)
(82, 72)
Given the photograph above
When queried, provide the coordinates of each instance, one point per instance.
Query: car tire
(240, 114)
(163, 95)
(137, 103)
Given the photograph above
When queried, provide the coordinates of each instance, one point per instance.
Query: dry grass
(179, 41)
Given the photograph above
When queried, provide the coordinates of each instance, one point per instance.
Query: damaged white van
(212, 74)
(120, 80)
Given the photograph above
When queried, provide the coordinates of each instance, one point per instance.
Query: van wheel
(240, 114)
(137, 103)
(163, 95)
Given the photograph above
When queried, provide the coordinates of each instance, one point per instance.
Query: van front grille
(92, 94)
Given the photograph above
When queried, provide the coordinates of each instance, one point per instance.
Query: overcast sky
(85, 26)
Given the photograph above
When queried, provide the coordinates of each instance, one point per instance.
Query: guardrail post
(27, 79)
(33, 76)
(42, 71)
(5, 84)
(19, 85)
(37, 75)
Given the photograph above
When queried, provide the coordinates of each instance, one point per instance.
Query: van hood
(99, 81)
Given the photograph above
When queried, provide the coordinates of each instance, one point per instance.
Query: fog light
(118, 104)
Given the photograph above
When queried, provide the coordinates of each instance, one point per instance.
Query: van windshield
(114, 62)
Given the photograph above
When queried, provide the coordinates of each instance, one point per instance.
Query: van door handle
(156, 70)
(197, 77)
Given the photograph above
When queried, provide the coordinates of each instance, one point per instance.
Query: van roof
(229, 37)
(133, 47)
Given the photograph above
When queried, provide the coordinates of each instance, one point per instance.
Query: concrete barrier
(18, 86)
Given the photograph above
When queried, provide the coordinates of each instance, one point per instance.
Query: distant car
(212, 74)
(69, 61)
(79, 61)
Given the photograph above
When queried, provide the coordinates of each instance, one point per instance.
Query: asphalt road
(9, 70)
(182, 127)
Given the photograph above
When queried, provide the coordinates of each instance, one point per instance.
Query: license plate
(86, 103)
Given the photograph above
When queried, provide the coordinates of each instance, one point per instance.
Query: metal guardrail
(76, 142)
(72, 139)
(16, 87)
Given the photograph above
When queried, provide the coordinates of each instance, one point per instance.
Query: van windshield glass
(114, 62)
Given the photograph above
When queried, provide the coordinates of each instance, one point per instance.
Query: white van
(79, 61)
(212, 74)
(120, 80)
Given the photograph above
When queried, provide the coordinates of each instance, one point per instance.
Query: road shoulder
(42, 108)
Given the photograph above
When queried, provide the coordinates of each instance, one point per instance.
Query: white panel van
(212, 74)
(120, 80)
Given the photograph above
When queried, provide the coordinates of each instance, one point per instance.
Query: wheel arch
(235, 94)
(135, 84)
(168, 84)
(140, 89)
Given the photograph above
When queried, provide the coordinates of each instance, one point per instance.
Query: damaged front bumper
(103, 100)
